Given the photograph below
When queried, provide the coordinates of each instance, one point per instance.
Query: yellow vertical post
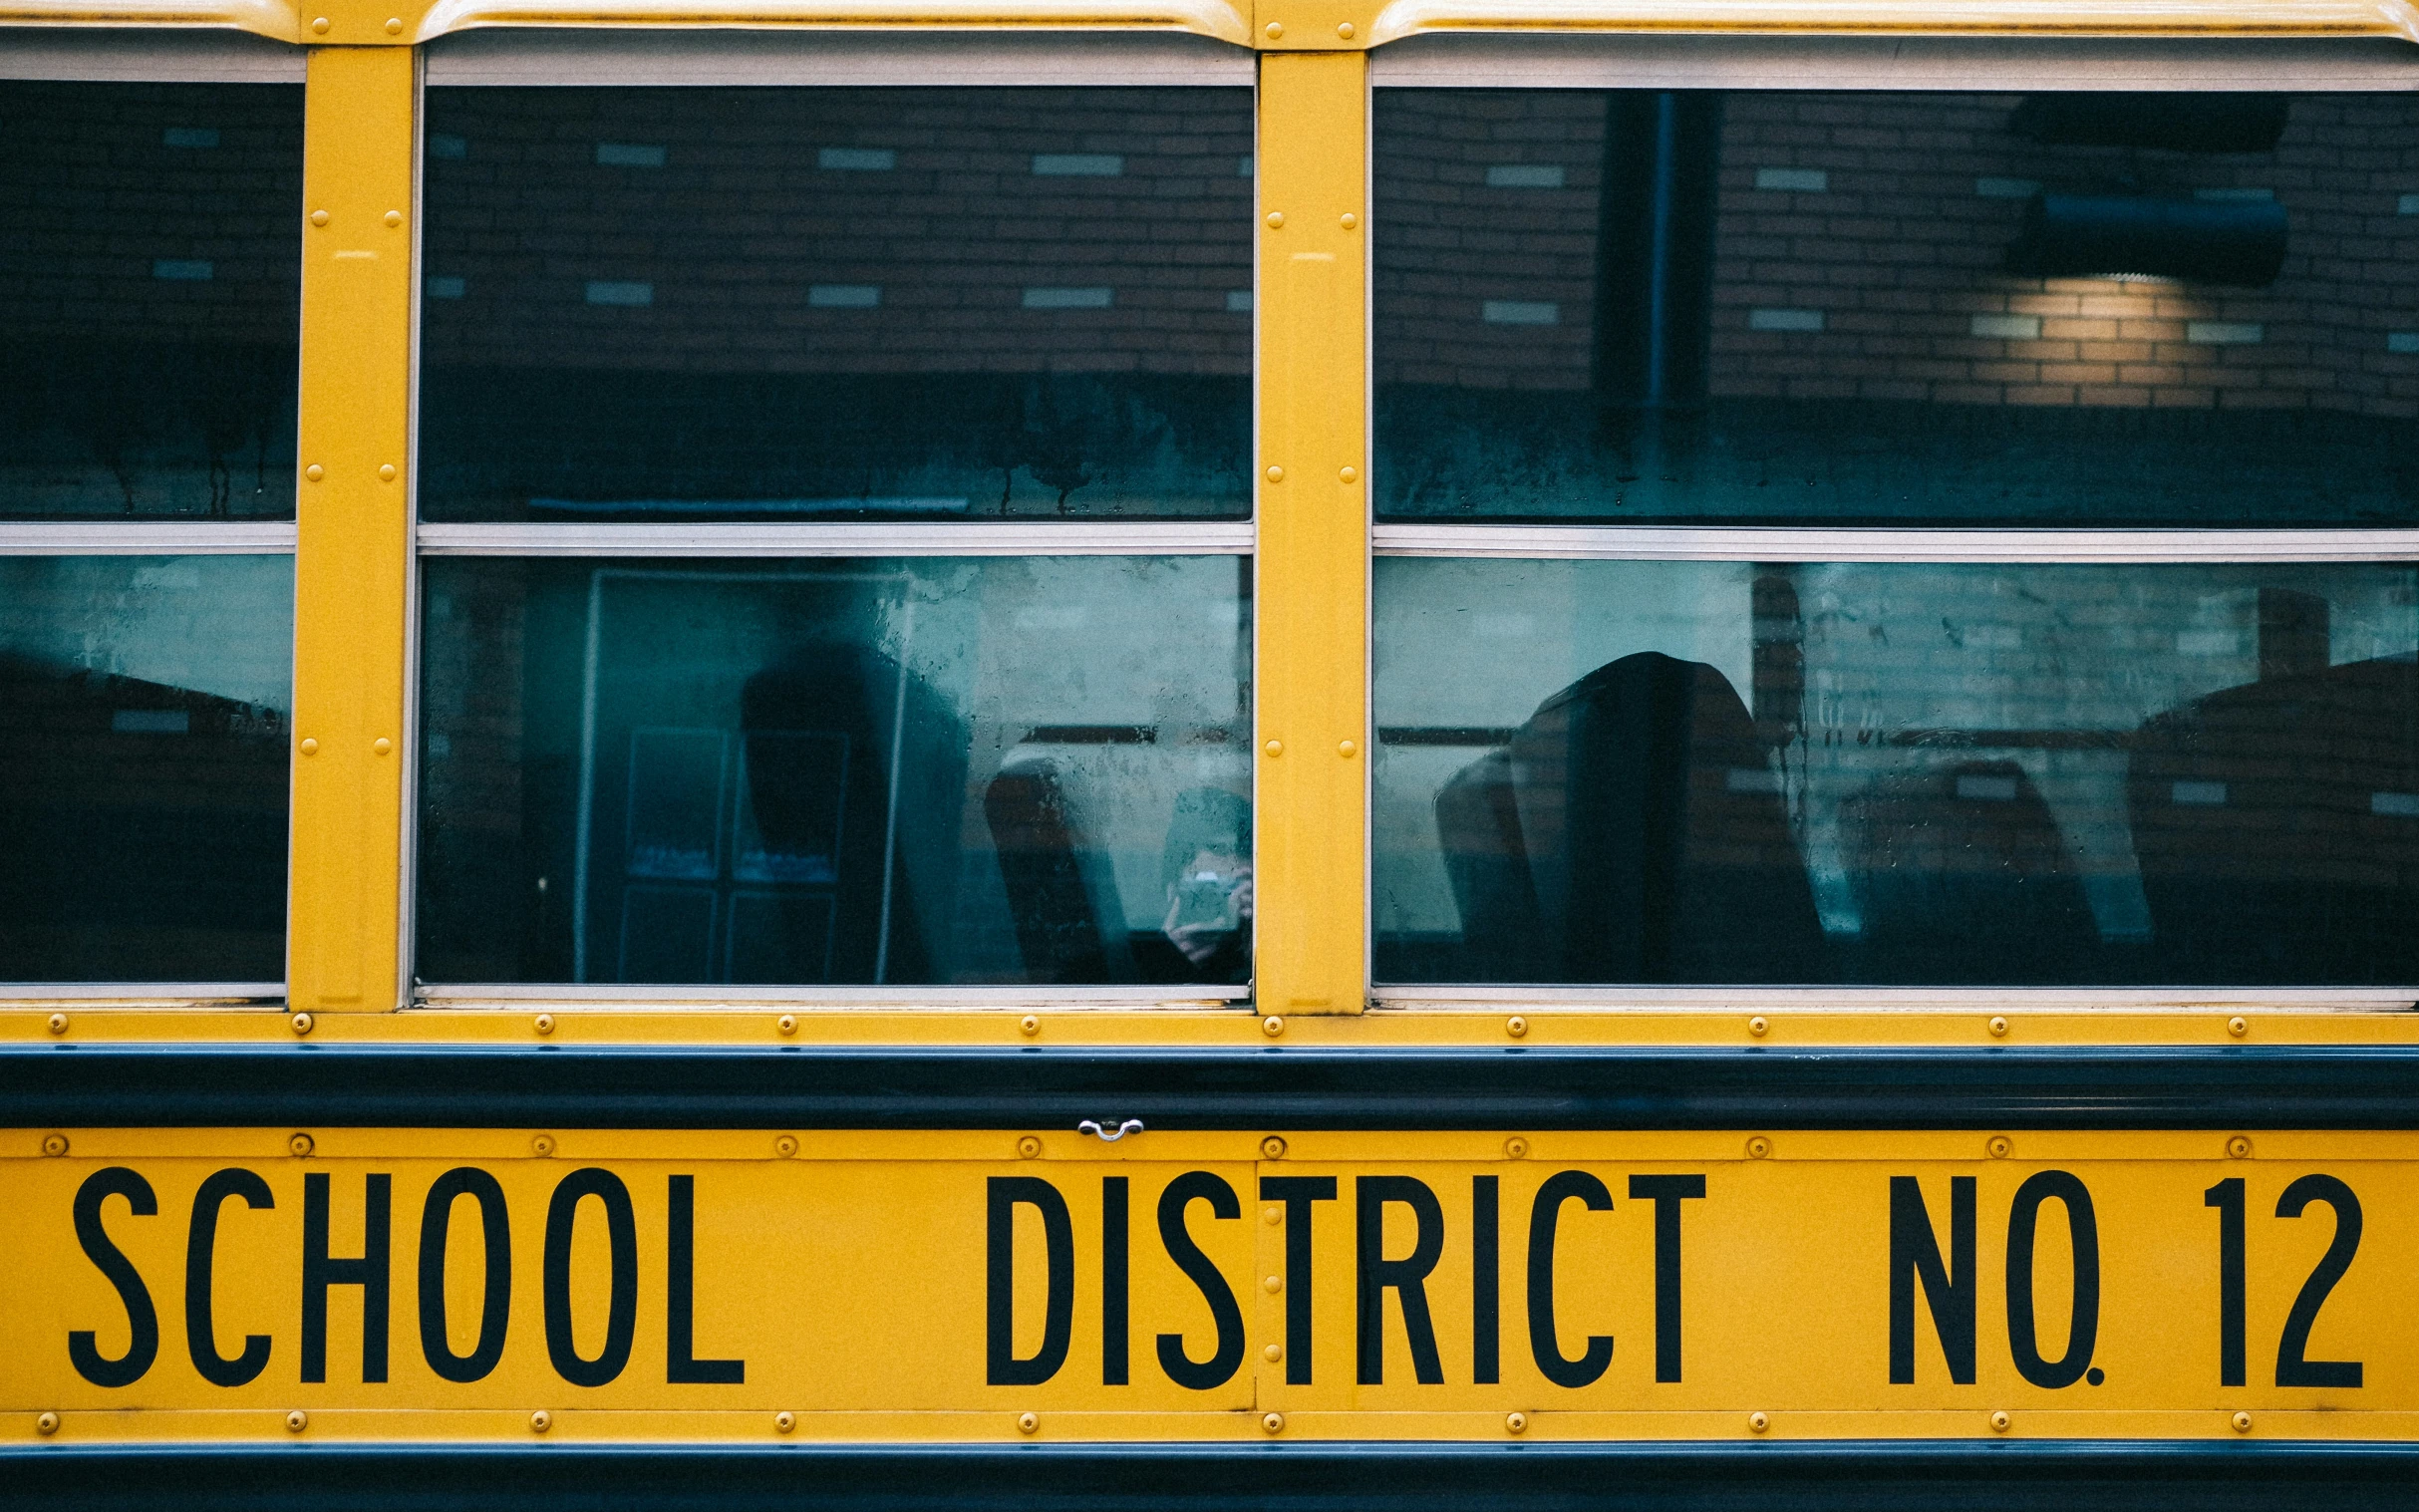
(1312, 604)
(352, 560)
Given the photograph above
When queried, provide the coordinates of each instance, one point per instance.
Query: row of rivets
(386, 473)
(1344, 748)
(319, 26)
(1276, 29)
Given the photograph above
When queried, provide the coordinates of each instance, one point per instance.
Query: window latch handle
(1110, 1135)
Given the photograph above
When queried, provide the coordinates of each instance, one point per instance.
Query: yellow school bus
(1079, 754)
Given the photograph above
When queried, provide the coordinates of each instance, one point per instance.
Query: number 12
(2293, 1367)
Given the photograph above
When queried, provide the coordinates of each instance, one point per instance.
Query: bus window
(1886, 754)
(846, 330)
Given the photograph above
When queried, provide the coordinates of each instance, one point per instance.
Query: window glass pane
(143, 706)
(1896, 774)
(150, 273)
(793, 303)
(1843, 308)
(903, 771)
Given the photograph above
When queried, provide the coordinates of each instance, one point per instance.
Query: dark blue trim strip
(1863, 1475)
(2371, 1088)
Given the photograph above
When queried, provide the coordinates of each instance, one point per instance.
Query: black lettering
(1545, 1218)
(1667, 1193)
(1406, 1277)
(1004, 1368)
(681, 1367)
(1914, 1255)
(200, 1247)
(1486, 1283)
(1116, 1284)
(2293, 1367)
(621, 1312)
(143, 1322)
(2083, 1325)
(1298, 1193)
(370, 1271)
(2227, 1198)
(496, 1307)
(1181, 1193)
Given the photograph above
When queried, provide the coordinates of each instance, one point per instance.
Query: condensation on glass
(144, 712)
(770, 304)
(150, 273)
(903, 771)
(1896, 308)
(1896, 774)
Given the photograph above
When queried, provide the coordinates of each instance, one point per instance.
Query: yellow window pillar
(1311, 608)
(353, 555)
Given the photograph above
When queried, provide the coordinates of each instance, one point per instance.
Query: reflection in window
(1895, 308)
(825, 303)
(149, 295)
(859, 772)
(1896, 774)
(143, 706)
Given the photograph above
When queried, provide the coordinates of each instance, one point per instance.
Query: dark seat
(1048, 865)
(2277, 828)
(1632, 832)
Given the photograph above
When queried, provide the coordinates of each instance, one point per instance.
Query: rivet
(1273, 1215)
(319, 217)
(542, 1146)
(302, 1023)
(315, 472)
(1516, 1148)
(1276, 29)
(1998, 1027)
(1758, 1147)
(1757, 1422)
(58, 1024)
(1345, 29)
(1275, 475)
(1759, 1026)
(46, 1424)
(1276, 219)
(786, 1146)
(394, 26)
(1516, 1026)
(1998, 1146)
(1516, 1423)
(788, 1024)
(2242, 1421)
(394, 219)
(382, 744)
(319, 24)
(308, 747)
(1272, 1149)
(782, 1422)
(2238, 1026)
(298, 1419)
(1026, 1422)
(1272, 1026)
(1999, 1423)
(2238, 1147)
(544, 1023)
(1274, 1285)
(386, 473)
(541, 1420)
(1349, 219)
(54, 1144)
(300, 1145)
(1031, 1023)
(1272, 1352)
(1273, 1422)
(1348, 473)
(1029, 1147)
(1345, 749)
(1274, 747)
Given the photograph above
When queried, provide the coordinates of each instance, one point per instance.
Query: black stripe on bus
(1269, 1089)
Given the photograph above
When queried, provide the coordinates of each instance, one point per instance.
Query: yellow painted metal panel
(1311, 690)
(1988, 18)
(354, 540)
(852, 1281)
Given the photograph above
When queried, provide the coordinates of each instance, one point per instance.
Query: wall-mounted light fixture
(2116, 236)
